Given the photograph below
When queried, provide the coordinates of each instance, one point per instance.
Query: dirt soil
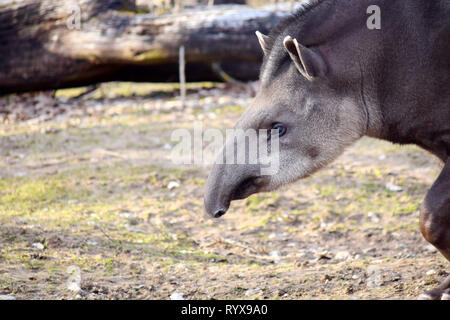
(86, 211)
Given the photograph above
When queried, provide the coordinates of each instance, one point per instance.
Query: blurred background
(92, 207)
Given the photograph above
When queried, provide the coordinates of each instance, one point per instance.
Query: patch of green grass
(128, 89)
(257, 201)
(26, 195)
(70, 92)
(228, 109)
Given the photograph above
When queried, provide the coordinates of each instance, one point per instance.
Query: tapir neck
(406, 80)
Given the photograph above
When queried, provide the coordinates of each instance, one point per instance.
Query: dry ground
(86, 213)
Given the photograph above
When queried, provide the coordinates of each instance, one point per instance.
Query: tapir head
(302, 102)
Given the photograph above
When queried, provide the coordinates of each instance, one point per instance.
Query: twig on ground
(89, 90)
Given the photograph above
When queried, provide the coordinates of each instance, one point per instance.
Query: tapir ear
(263, 41)
(309, 62)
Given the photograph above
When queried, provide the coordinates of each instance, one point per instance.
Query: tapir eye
(280, 128)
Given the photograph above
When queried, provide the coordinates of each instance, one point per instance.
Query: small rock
(369, 250)
(430, 248)
(395, 276)
(431, 272)
(173, 236)
(326, 224)
(7, 297)
(127, 215)
(375, 278)
(375, 281)
(292, 244)
(393, 187)
(73, 286)
(176, 296)
(250, 292)
(275, 254)
(74, 280)
(173, 185)
(38, 245)
(138, 230)
(276, 236)
(372, 269)
(342, 255)
(373, 217)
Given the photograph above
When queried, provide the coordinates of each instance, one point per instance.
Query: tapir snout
(228, 182)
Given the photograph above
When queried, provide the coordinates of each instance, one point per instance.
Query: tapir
(330, 75)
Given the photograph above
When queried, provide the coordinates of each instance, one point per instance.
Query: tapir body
(328, 78)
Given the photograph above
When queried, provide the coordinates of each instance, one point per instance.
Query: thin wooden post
(182, 64)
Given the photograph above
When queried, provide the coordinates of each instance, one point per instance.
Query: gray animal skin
(327, 80)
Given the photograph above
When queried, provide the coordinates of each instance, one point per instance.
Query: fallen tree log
(46, 44)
